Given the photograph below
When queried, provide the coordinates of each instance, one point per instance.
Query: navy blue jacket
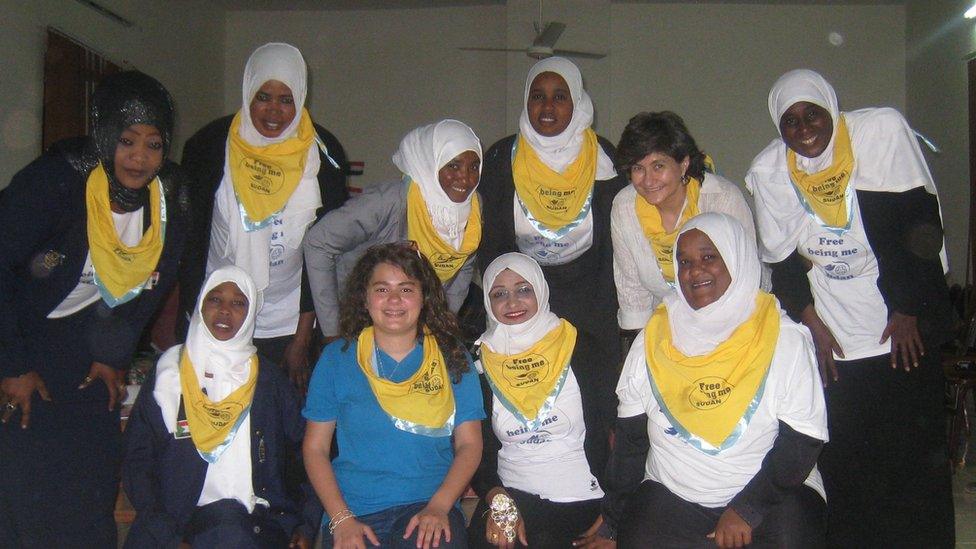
(163, 476)
(43, 247)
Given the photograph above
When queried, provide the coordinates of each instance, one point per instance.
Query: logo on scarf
(555, 200)
(220, 417)
(525, 371)
(709, 393)
(263, 178)
(430, 383)
(124, 255)
(828, 192)
(445, 262)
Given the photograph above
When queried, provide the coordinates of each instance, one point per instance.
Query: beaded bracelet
(505, 514)
(338, 518)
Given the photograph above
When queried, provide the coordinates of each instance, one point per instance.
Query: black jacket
(43, 248)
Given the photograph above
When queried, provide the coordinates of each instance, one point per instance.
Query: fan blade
(583, 54)
(469, 48)
(547, 38)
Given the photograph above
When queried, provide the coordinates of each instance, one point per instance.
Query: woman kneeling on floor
(204, 441)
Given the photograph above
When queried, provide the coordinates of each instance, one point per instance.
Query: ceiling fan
(543, 46)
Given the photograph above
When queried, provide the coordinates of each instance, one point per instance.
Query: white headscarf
(513, 339)
(805, 85)
(422, 153)
(250, 250)
(221, 366)
(274, 61)
(561, 150)
(697, 332)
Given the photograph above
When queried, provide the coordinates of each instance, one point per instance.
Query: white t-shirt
(282, 298)
(792, 393)
(546, 249)
(550, 461)
(128, 226)
(844, 280)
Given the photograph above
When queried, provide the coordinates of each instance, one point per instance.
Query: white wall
(376, 74)
(713, 64)
(939, 43)
(178, 42)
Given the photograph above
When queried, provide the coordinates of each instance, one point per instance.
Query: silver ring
(11, 406)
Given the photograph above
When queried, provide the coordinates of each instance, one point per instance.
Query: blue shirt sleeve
(468, 404)
(321, 403)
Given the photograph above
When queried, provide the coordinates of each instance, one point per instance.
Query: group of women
(807, 419)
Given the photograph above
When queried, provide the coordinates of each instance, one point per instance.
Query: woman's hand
(111, 377)
(591, 538)
(731, 530)
(296, 363)
(299, 541)
(494, 533)
(825, 343)
(349, 533)
(17, 393)
(906, 343)
(430, 523)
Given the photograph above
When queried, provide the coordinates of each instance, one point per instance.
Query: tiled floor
(965, 505)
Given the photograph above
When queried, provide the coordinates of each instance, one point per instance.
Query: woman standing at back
(261, 178)
(547, 193)
(849, 220)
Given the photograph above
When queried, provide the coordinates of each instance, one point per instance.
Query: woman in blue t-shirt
(400, 395)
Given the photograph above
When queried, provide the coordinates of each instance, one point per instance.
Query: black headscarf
(119, 101)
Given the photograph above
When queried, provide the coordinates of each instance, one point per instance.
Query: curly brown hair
(435, 314)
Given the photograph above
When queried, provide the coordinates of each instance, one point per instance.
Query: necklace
(378, 365)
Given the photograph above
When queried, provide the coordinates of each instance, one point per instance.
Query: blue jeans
(390, 524)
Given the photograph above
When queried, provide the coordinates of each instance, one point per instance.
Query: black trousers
(548, 524)
(656, 518)
(59, 478)
(227, 524)
(885, 468)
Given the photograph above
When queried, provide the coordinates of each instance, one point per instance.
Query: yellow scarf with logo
(420, 229)
(426, 398)
(555, 199)
(265, 177)
(826, 191)
(662, 240)
(707, 395)
(525, 380)
(213, 423)
(120, 268)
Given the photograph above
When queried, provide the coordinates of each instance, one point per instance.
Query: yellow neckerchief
(214, 424)
(825, 191)
(420, 229)
(525, 381)
(426, 398)
(554, 199)
(706, 396)
(662, 240)
(265, 177)
(120, 269)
